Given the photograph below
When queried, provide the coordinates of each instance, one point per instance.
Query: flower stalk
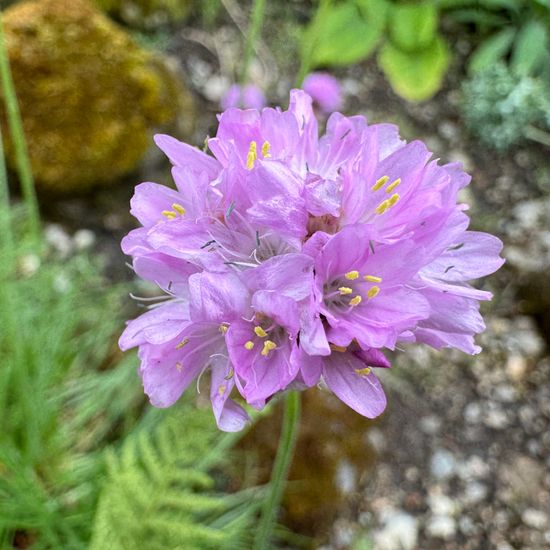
(18, 138)
(254, 28)
(285, 451)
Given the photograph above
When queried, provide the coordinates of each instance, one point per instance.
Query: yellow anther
(380, 182)
(179, 366)
(182, 343)
(224, 328)
(393, 199)
(178, 208)
(373, 291)
(352, 275)
(363, 372)
(339, 349)
(222, 389)
(265, 149)
(343, 290)
(355, 301)
(372, 279)
(382, 207)
(169, 214)
(393, 185)
(252, 155)
(260, 332)
(249, 345)
(268, 346)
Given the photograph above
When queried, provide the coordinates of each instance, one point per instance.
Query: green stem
(254, 28)
(7, 246)
(536, 134)
(18, 138)
(287, 442)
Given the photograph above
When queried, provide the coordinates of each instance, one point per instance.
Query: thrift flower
(286, 259)
(325, 91)
(247, 97)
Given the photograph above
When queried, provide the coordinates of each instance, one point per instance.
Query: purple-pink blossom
(325, 91)
(286, 259)
(247, 97)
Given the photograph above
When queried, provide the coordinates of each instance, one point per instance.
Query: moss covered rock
(90, 97)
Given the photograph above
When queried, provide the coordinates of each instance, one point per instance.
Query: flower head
(287, 258)
(247, 97)
(325, 90)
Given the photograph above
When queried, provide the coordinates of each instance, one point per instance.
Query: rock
(475, 492)
(400, 531)
(534, 518)
(443, 464)
(442, 505)
(441, 527)
(430, 425)
(95, 96)
(496, 418)
(84, 239)
(147, 14)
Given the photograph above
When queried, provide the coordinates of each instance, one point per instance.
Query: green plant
(502, 107)
(412, 54)
(513, 31)
(158, 492)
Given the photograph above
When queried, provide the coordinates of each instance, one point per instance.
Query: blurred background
(460, 458)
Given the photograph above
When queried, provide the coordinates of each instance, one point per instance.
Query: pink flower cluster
(287, 258)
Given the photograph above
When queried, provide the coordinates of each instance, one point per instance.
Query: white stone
(441, 527)
(400, 530)
(534, 518)
(83, 239)
(443, 464)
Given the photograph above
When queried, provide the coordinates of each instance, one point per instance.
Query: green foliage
(501, 106)
(415, 76)
(57, 329)
(158, 492)
(342, 33)
(514, 31)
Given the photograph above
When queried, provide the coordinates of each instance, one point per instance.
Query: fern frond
(159, 494)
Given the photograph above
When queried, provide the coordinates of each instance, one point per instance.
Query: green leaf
(341, 35)
(413, 26)
(415, 76)
(529, 48)
(492, 50)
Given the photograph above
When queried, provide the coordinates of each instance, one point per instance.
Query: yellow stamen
(373, 291)
(394, 198)
(268, 346)
(352, 275)
(372, 279)
(169, 214)
(365, 371)
(265, 149)
(182, 343)
(260, 332)
(345, 290)
(249, 345)
(252, 155)
(178, 208)
(382, 207)
(179, 366)
(355, 301)
(380, 182)
(393, 185)
(222, 389)
(224, 328)
(339, 349)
